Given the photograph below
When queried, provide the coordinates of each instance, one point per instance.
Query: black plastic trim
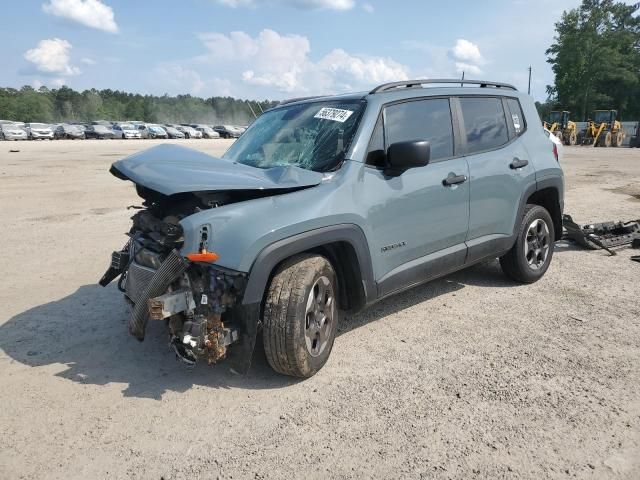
(422, 270)
(275, 253)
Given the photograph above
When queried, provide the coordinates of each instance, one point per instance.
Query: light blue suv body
(428, 178)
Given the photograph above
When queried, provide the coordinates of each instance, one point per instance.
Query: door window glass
(484, 123)
(421, 120)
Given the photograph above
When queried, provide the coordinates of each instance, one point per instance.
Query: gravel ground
(466, 377)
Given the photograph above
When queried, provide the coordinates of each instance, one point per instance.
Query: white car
(9, 131)
(126, 131)
(38, 131)
(557, 142)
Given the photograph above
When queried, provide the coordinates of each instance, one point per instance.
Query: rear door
(500, 170)
(418, 224)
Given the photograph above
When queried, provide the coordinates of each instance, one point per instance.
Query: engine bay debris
(606, 235)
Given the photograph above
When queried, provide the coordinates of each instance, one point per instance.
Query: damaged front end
(199, 301)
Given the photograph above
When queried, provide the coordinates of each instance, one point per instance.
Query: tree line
(595, 58)
(67, 105)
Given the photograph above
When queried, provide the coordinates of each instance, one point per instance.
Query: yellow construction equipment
(563, 128)
(604, 130)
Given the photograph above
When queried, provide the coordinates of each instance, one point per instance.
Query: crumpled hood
(171, 169)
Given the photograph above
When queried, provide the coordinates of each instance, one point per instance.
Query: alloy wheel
(537, 243)
(319, 316)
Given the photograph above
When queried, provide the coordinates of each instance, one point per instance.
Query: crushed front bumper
(201, 303)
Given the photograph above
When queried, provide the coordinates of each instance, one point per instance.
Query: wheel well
(344, 260)
(549, 199)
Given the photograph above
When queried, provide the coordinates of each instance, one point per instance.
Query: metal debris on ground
(606, 235)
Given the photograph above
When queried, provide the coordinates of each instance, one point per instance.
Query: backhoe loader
(563, 128)
(604, 130)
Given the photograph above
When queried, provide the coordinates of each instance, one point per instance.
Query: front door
(418, 220)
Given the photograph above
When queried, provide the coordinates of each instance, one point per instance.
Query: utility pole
(529, 89)
(462, 81)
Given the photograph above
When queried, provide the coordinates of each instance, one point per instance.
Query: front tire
(530, 257)
(301, 316)
(605, 139)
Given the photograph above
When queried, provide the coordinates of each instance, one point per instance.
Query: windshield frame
(360, 107)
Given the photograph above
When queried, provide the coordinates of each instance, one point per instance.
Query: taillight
(555, 152)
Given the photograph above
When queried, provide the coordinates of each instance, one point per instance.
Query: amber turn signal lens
(209, 257)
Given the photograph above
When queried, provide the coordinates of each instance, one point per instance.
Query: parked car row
(103, 129)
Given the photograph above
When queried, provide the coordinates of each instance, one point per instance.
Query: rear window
(421, 120)
(484, 122)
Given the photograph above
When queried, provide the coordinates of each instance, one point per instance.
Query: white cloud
(283, 62)
(323, 4)
(88, 61)
(275, 60)
(363, 69)
(52, 56)
(91, 13)
(301, 4)
(184, 79)
(466, 51)
(468, 68)
(467, 57)
(367, 7)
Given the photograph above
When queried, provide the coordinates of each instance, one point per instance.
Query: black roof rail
(418, 83)
(299, 99)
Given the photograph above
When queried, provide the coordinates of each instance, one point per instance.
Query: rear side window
(515, 116)
(421, 120)
(484, 123)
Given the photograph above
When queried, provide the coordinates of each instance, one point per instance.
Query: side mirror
(404, 155)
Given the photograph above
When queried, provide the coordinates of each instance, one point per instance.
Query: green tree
(65, 104)
(596, 58)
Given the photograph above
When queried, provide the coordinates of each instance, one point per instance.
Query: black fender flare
(280, 250)
(555, 182)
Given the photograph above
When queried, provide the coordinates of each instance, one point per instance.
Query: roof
(413, 88)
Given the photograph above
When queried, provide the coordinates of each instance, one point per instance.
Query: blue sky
(273, 48)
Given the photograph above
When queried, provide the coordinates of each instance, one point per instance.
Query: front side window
(314, 136)
(484, 123)
(421, 120)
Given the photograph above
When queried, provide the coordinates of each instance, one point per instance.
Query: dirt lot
(466, 377)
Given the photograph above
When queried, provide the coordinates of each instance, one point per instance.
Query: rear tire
(301, 316)
(573, 139)
(531, 255)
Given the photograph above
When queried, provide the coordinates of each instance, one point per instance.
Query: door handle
(517, 163)
(454, 180)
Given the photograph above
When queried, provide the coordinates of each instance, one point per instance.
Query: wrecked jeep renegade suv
(328, 204)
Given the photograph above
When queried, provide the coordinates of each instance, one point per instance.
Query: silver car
(9, 131)
(173, 132)
(207, 132)
(189, 132)
(39, 131)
